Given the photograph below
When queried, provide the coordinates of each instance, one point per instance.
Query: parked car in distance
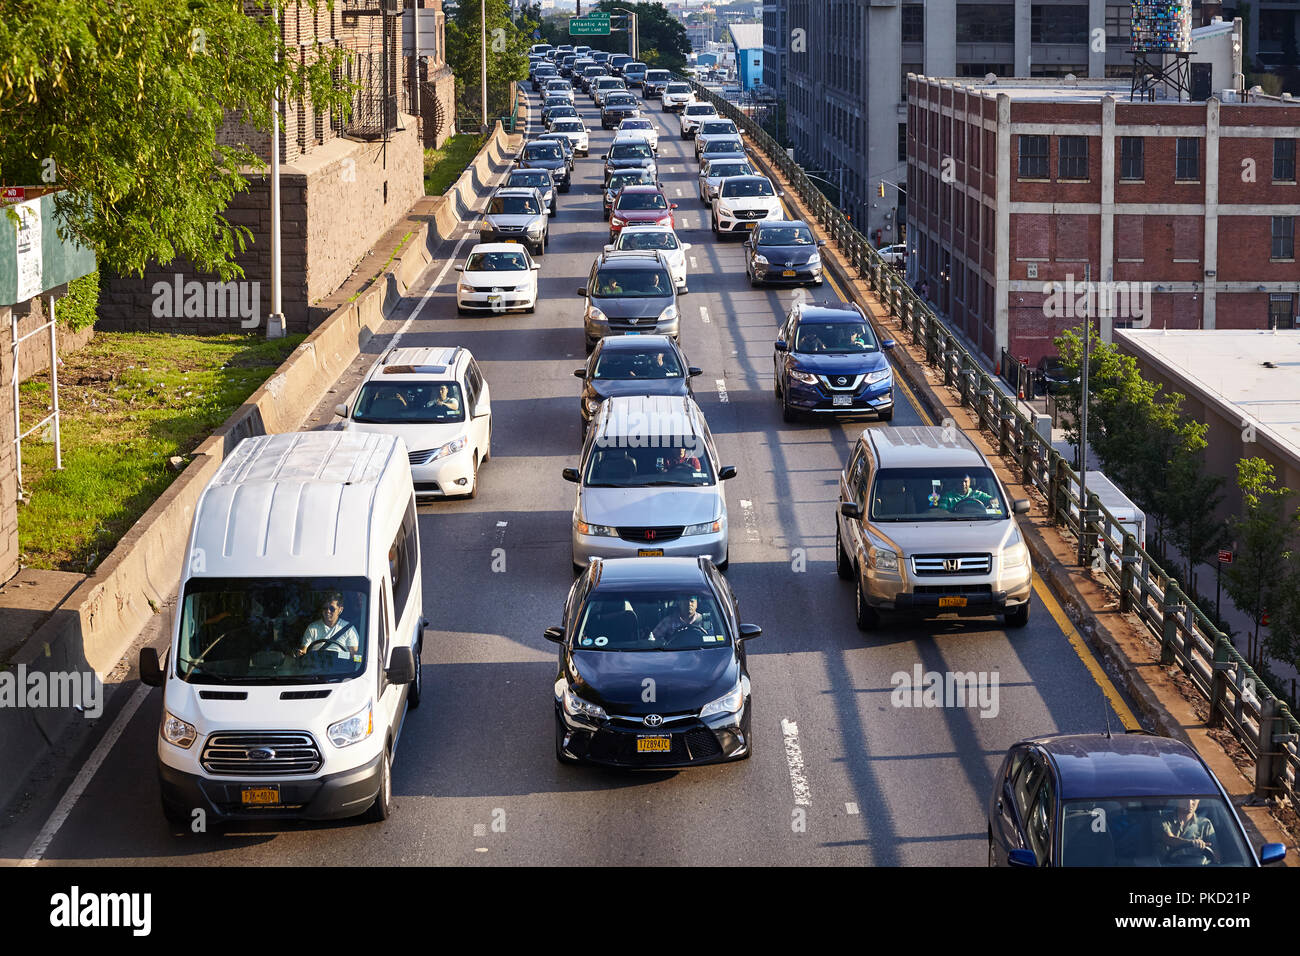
(895, 255)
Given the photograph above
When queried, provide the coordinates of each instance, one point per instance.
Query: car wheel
(555, 211)
(888, 415)
(473, 481)
(722, 565)
(868, 617)
(753, 280)
(993, 853)
(382, 808)
(460, 310)
(788, 414)
(713, 221)
(1018, 617)
(591, 346)
(416, 688)
(176, 816)
(532, 307)
(842, 566)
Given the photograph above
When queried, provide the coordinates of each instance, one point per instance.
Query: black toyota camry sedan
(652, 666)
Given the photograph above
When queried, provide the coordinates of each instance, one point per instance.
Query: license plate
(650, 553)
(841, 399)
(512, 240)
(654, 745)
(952, 602)
(748, 225)
(260, 796)
(496, 299)
(789, 273)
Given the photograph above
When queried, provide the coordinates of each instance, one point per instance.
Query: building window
(1283, 237)
(1281, 312)
(1284, 160)
(986, 23)
(1072, 160)
(1033, 157)
(981, 70)
(1187, 159)
(1058, 24)
(1118, 22)
(913, 23)
(902, 142)
(1130, 158)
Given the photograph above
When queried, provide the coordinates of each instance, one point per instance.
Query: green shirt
(954, 498)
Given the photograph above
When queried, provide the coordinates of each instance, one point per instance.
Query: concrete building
(747, 42)
(1020, 190)
(1242, 384)
(776, 45)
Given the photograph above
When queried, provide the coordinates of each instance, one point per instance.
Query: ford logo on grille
(261, 753)
(652, 720)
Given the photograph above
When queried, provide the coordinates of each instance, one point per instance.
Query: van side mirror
(1020, 506)
(554, 634)
(850, 510)
(570, 474)
(726, 472)
(401, 666)
(151, 672)
(341, 410)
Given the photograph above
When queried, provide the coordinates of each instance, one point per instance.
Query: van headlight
(575, 706)
(353, 729)
(596, 530)
(882, 559)
(450, 448)
(1016, 556)
(668, 315)
(595, 315)
(177, 732)
(706, 527)
(728, 703)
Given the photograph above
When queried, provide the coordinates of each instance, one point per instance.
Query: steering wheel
(685, 627)
(325, 642)
(682, 466)
(1189, 855)
(970, 506)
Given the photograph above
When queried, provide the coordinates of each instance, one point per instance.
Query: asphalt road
(839, 775)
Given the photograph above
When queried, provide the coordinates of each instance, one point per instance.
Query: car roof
(648, 416)
(496, 247)
(424, 362)
(641, 188)
(634, 259)
(743, 179)
(1128, 765)
(509, 191)
(776, 223)
(628, 343)
(828, 314)
(921, 446)
(646, 227)
(634, 572)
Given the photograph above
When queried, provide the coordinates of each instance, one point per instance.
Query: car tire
(843, 567)
(887, 416)
(460, 310)
(868, 618)
(591, 346)
(382, 808)
(1018, 617)
(577, 568)
(473, 481)
(713, 221)
(788, 414)
(176, 816)
(725, 562)
(993, 853)
(753, 280)
(416, 688)
(530, 309)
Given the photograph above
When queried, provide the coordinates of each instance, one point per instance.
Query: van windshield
(281, 631)
(624, 465)
(936, 494)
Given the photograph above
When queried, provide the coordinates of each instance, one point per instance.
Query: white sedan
(643, 128)
(659, 238)
(496, 277)
(576, 133)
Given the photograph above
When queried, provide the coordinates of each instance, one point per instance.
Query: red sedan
(640, 206)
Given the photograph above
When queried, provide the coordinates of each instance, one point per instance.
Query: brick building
(345, 180)
(1186, 211)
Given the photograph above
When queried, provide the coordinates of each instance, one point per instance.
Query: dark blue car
(1127, 800)
(828, 361)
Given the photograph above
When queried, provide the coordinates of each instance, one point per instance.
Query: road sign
(1225, 557)
(594, 24)
(13, 193)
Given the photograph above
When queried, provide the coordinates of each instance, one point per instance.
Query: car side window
(1041, 817)
(1025, 784)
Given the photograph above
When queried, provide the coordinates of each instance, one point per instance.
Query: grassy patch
(442, 167)
(396, 249)
(127, 403)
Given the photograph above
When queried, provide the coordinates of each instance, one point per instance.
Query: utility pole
(1084, 550)
(482, 10)
(275, 324)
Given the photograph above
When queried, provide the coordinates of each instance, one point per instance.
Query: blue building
(747, 39)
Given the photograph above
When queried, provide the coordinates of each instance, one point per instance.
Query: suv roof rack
(656, 254)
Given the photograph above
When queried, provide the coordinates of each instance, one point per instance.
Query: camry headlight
(177, 732)
(707, 527)
(760, 260)
(1016, 556)
(806, 377)
(352, 729)
(668, 315)
(874, 377)
(575, 706)
(882, 559)
(450, 448)
(728, 703)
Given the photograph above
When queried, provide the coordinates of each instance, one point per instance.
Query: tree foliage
(664, 44)
(507, 54)
(120, 101)
(1265, 533)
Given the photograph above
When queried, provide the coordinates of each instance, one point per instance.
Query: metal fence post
(1268, 764)
(1219, 680)
(1169, 623)
(1054, 484)
(1026, 455)
(1127, 560)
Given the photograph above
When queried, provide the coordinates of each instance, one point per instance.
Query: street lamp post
(275, 324)
(482, 11)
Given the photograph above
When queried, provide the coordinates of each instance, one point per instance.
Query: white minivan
(296, 641)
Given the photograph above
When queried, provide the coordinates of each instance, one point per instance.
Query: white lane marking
(722, 391)
(851, 809)
(751, 520)
(502, 524)
(679, 190)
(794, 757)
(704, 310)
(694, 264)
(83, 778)
(686, 223)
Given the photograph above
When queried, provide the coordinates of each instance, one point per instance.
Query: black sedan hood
(683, 680)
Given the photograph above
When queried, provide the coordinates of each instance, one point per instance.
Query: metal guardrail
(1239, 699)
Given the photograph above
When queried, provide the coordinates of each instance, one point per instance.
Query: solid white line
(704, 311)
(794, 757)
(722, 391)
(694, 264)
(82, 780)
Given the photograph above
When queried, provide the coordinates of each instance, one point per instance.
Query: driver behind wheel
(331, 632)
(1188, 837)
(686, 616)
(682, 458)
(953, 498)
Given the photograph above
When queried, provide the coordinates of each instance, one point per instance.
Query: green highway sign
(595, 24)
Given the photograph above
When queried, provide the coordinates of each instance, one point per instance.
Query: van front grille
(261, 754)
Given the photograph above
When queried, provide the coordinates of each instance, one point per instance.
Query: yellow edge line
(1054, 608)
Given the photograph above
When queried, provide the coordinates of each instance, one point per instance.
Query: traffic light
(882, 189)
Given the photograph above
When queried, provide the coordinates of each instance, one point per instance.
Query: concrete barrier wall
(96, 624)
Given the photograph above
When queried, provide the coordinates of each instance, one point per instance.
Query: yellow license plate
(952, 602)
(260, 796)
(650, 553)
(788, 273)
(654, 745)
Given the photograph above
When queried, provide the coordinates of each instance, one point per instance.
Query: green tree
(662, 36)
(120, 102)
(507, 54)
(1284, 615)
(1192, 496)
(1264, 534)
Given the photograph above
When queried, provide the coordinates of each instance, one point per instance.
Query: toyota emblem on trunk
(652, 720)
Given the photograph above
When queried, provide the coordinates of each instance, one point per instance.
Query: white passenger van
(295, 646)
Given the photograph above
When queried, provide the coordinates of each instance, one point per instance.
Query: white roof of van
(292, 504)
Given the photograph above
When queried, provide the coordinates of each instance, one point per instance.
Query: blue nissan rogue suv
(827, 360)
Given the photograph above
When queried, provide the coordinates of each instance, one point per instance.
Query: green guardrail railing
(1239, 699)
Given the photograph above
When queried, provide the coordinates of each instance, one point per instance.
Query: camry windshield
(272, 631)
(618, 364)
(615, 283)
(786, 236)
(382, 403)
(496, 262)
(748, 187)
(513, 206)
(1149, 831)
(670, 460)
(651, 620)
(936, 494)
(641, 201)
(631, 151)
(549, 151)
(647, 240)
(835, 338)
